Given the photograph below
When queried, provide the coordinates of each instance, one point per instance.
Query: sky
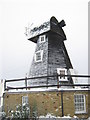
(16, 52)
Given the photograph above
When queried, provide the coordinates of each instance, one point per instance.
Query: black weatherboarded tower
(51, 57)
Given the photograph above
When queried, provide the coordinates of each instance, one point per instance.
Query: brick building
(57, 102)
(50, 58)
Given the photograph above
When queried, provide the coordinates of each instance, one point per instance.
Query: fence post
(5, 85)
(57, 81)
(26, 83)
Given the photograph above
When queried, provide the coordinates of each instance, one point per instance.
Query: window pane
(79, 103)
(62, 72)
(38, 56)
(24, 99)
(42, 39)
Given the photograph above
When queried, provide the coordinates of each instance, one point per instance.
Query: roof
(53, 25)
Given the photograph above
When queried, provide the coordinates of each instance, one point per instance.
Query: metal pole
(62, 103)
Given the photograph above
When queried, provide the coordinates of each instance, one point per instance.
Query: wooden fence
(41, 86)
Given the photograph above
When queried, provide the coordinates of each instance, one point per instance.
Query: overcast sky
(16, 52)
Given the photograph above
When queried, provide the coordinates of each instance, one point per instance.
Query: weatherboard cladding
(56, 56)
(39, 68)
(53, 57)
(54, 53)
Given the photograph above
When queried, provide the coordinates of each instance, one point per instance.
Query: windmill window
(38, 56)
(80, 105)
(62, 71)
(42, 38)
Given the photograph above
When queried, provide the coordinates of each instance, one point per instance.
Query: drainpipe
(62, 103)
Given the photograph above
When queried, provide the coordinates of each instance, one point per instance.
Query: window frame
(62, 78)
(24, 101)
(44, 36)
(79, 103)
(41, 54)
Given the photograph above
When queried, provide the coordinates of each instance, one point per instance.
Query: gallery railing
(87, 85)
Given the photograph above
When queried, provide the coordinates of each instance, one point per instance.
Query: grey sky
(16, 51)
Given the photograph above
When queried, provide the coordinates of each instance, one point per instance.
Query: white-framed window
(38, 56)
(24, 100)
(80, 103)
(42, 38)
(62, 71)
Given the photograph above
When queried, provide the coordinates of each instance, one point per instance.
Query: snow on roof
(35, 30)
(47, 90)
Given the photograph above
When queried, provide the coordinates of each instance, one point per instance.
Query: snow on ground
(51, 116)
(63, 118)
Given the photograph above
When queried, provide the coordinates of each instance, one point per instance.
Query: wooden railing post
(26, 83)
(57, 81)
(5, 85)
(54, 85)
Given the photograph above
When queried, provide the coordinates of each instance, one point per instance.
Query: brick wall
(47, 102)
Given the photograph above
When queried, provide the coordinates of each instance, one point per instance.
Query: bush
(21, 112)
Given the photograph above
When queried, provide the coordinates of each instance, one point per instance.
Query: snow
(52, 116)
(31, 32)
(24, 104)
(2, 114)
(48, 89)
(56, 109)
(12, 111)
(48, 116)
(75, 116)
(66, 116)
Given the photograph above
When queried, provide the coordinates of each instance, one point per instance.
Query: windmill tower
(51, 57)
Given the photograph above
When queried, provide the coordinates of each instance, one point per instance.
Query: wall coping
(36, 90)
